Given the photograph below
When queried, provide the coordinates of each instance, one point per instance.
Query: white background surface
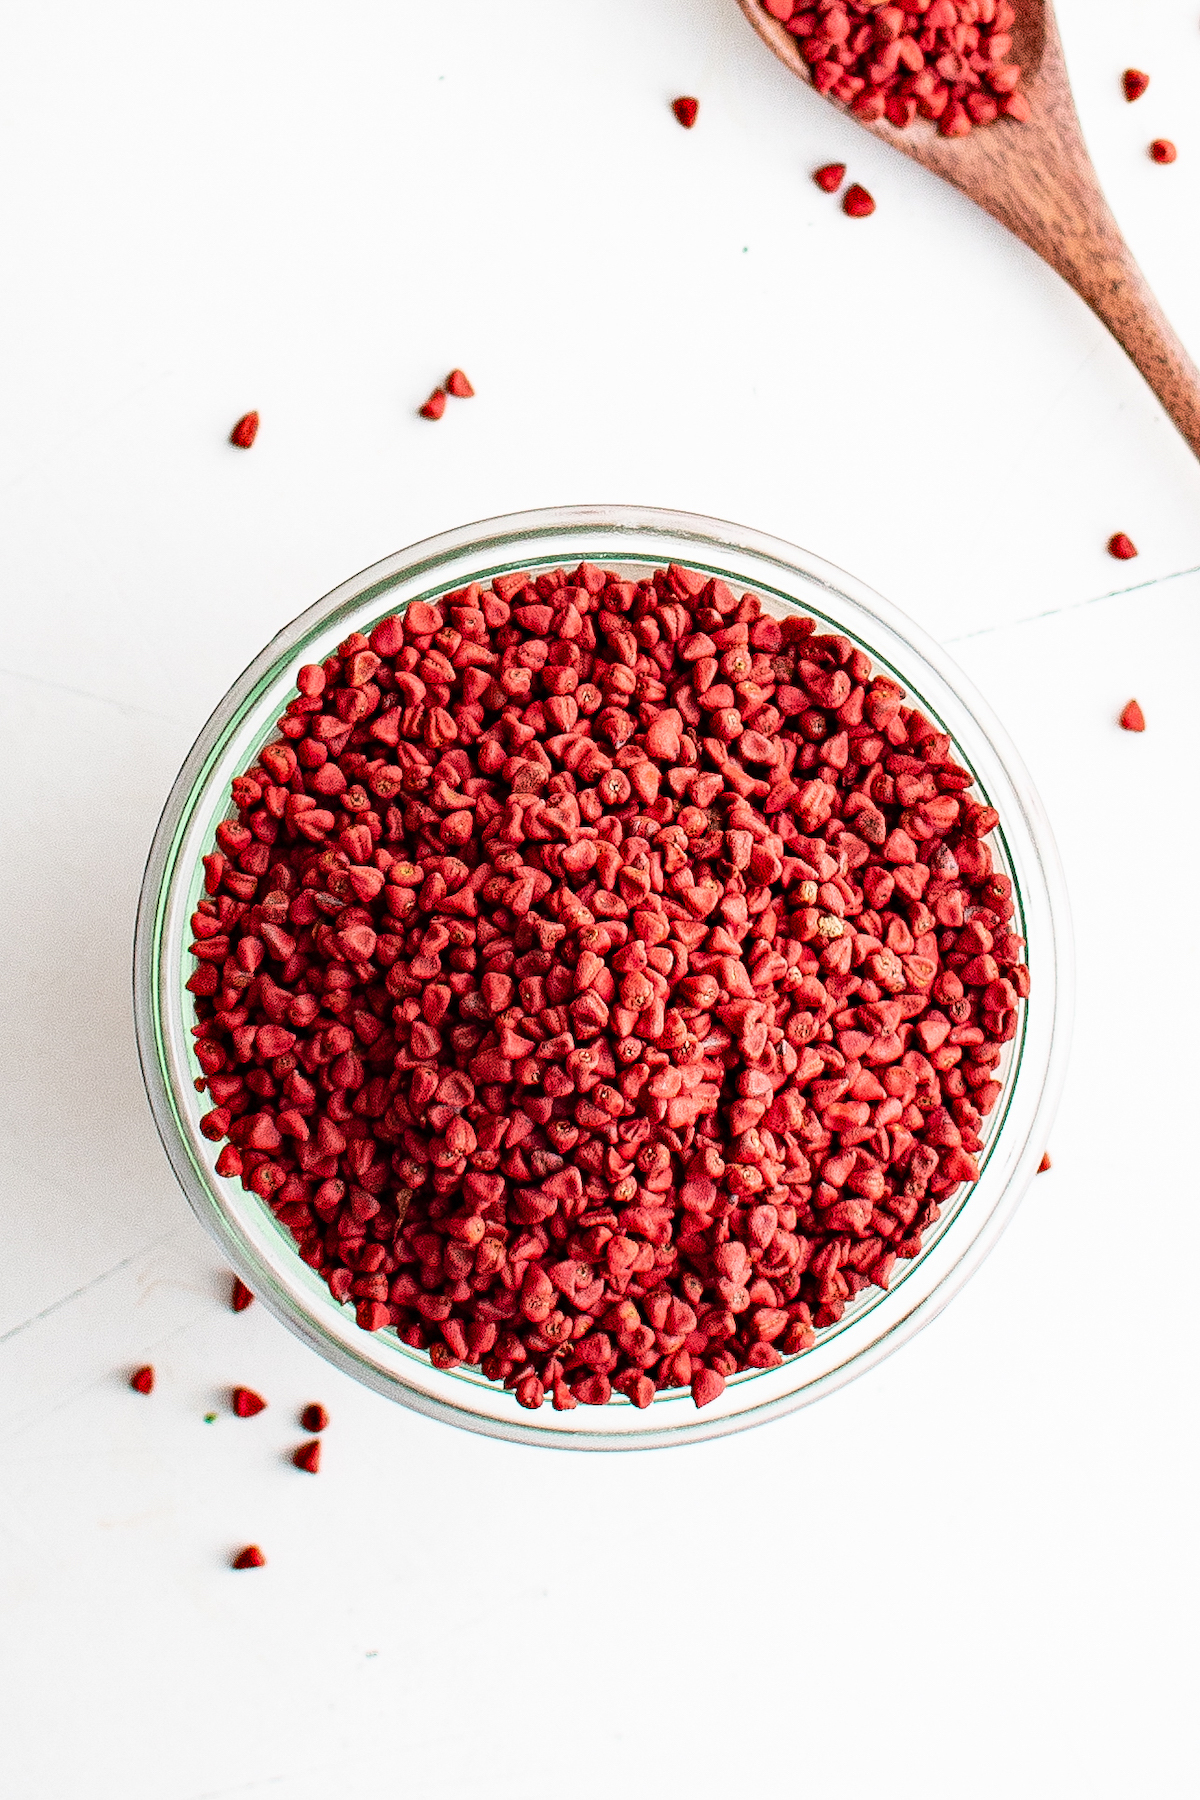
(972, 1574)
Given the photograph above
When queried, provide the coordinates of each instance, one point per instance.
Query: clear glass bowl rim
(258, 1248)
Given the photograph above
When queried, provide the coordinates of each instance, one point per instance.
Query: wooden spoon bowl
(1038, 180)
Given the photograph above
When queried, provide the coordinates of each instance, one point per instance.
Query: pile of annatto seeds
(602, 981)
(940, 59)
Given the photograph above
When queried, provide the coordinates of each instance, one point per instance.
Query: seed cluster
(603, 982)
(939, 59)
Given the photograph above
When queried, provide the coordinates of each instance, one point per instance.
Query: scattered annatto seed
(142, 1380)
(241, 1296)
(314, 1418)
(250, 1558)
(1133, 718)
(308, 1457)
(246, 1403)
(1135, 83)
(435, 406)
(685, 110)
(245, 431)
(1122, 547)
(458, 385)
(830, 177)
(857, 203)
(1162, 150)
(1044, 1164)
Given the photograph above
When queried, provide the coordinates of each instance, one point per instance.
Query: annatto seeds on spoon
(937, 59)
(604, 983)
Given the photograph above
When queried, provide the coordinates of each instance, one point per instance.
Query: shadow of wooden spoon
(1038, 180)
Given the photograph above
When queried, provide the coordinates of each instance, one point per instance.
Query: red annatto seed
(246, 1403)
(1132, 717)
(314, 1418)
(1135, 83)
(1122, 547)
(685, 109)
(308, 1457)
(830, 177)
(1162, 150)
(604, 984)
(241, 1297)
(1045, 1162)
(245, 431)
(435, 406)
(142, 1380)
(708, 1385)
(857, 203)
(458, 385)
(250, 1558)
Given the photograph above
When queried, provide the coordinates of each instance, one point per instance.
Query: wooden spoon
(1038, 180)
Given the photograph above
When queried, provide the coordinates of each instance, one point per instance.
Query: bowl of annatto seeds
(602, 976)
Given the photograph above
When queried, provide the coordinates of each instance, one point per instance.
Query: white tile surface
(973, 1573)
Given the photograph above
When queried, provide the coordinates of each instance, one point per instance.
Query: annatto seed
(458, 385)
(250, 1558)
(602, 982)
(830, 177)
(314, 1418)
(435, 406)
(1132, 717)
(142, 1380)
(1135, 83)
(1122, 547)
(857, 203)
(1162, 150)
(308, 1457)
(245, 431)
(246, 1403)
(685, 109)
(943, 60)
(240, 1297)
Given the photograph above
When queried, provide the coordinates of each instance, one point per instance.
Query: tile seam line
(259, 1784)
(1056, 612)
(62, 687)
(46, 1312)
(62, 445)
(18, 1424)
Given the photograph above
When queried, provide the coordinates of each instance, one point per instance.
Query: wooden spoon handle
(1104, 272)
(1054, 203)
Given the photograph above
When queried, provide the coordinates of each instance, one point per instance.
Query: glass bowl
(633, 540)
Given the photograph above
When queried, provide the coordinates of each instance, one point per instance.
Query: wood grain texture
(1037, 179)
